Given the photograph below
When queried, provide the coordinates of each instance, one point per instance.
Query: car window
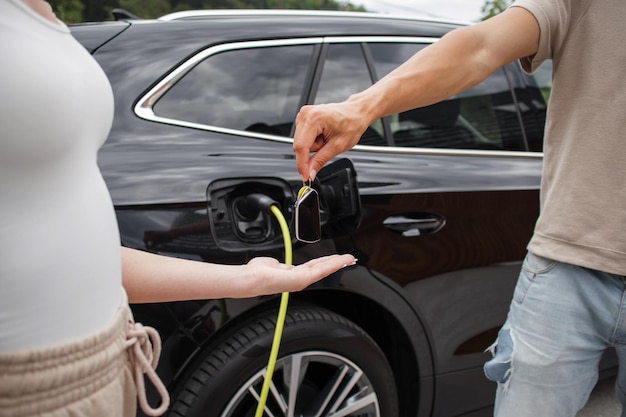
(543, 76)
(389, 56)
(484, 117)
(533, 95)
(253, 89)
(345, 72)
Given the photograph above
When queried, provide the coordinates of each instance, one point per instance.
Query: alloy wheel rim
(309, 384)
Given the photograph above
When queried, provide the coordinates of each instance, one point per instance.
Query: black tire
(339, 366)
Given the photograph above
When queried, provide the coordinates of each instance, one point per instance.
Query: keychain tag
(307, 213)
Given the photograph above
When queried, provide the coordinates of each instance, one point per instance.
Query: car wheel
(327, 366)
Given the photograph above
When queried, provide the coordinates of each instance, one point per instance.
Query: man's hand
(326, 130)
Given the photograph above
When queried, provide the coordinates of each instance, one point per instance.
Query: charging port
(239, 213)
(252, 218)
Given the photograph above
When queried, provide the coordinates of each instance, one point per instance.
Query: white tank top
(60, 268)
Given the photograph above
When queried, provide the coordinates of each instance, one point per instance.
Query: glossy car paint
(441, 239)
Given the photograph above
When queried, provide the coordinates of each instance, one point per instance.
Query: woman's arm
(154, 278)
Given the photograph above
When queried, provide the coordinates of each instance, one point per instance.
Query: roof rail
(121, 14)
(191, 14)
(208, 13)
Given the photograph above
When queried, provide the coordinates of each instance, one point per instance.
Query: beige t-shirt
(583, 194)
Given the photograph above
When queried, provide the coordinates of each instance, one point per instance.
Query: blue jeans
(562, 318)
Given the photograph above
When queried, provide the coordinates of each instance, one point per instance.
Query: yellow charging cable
(280, 320)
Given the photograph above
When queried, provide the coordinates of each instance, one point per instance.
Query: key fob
(307, 215)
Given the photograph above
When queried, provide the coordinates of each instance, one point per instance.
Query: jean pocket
(498, 368)
(536, 264)
(533, 266)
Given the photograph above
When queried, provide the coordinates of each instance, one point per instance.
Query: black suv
(437, 204)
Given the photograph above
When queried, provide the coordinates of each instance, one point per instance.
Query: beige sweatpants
(92, 377)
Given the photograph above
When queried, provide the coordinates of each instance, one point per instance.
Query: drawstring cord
(144, 346)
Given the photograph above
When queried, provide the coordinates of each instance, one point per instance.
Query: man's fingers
(302, 160)
(318, 160)
(324, 130)
(305, 136)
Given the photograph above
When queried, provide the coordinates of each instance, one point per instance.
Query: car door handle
(415, 224)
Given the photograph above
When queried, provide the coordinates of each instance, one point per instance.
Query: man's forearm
(458, 61)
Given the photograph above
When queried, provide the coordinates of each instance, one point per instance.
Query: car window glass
(256, 89)
(532, 93)
(389, 56)
(344, 73)
(543, 76)
(483, 117)
(489, 112)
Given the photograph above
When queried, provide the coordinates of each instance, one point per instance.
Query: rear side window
(253, 89)
(484, 117)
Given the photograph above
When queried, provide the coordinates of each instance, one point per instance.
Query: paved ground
(602, 402)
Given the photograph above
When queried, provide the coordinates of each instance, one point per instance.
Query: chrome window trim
(144, 106)
(379, 39)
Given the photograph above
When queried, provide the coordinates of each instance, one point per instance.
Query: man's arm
(458, 61)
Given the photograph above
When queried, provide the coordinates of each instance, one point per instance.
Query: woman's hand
(268, 276)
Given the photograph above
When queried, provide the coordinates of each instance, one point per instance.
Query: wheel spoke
(280, 400)
(294, 370)
(360, 404)
(346, 390)
(329, 391)
(257, 396)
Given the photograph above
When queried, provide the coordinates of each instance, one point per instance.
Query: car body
(447, 201)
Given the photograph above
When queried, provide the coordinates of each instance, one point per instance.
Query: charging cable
(280, 320)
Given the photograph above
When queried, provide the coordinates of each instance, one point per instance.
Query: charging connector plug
(250, 205)
(252, 217)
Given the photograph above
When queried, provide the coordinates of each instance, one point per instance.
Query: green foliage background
(493, 7)
(75, 11)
